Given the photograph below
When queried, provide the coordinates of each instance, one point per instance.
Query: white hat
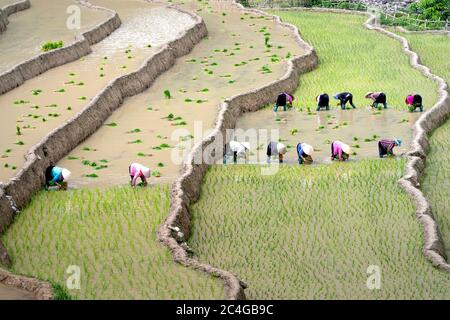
(346, 148)
(309, 150)
(146, 172)
(246, 145)
(65, 173)
(368, 94)
(281, 148)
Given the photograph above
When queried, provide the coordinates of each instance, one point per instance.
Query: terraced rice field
(158, 126)
(434, 51)
(111, 235)
(41, 104)
(312, 232)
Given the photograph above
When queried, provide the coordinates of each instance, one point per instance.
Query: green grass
(357, 60)
(311, 232)
(111, 235)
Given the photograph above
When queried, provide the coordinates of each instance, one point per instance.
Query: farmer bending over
(386, 147)
(55, 176)
(323, 101)
(283, 100)
(238, 149)
(304, 152)
(137, 170)
(343, 98)
(413, 102)
(377, 97)
(276, 148)
(340, 151)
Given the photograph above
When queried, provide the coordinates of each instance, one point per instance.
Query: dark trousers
(382, 151)
(381, 99)
(226, 148)
(348, 99)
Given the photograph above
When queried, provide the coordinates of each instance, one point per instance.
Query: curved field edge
(249, 258)
(185, 190)
(433, 49)
(110, 235)
(10, 9)
(37, 65)
(18, 191)
(310, 249)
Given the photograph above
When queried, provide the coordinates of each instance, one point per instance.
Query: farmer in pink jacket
(137, 170)
(413, 102)
(340, 151)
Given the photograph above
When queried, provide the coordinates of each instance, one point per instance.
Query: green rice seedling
(72, 158)
(62, 90)
(111, 124)
(136, 130)
(135, 141)
(186, 137)
(160, 164)
(36, 92)
(82, 98)
(204, 90)
(69, 108)
(167, 94)
(54, 115)
(89, 149)
(21, 101)
(72, 74)
(19, 143)
(48, 46)
(294, 131)
(231, 81)
(18, 131)
(179, 123)
(201, 101)
(156, 173)
(100, 167)
(69, 82)
(403, 120)
(187, 100)
(265, 69)
(81, 83)
(91, 175)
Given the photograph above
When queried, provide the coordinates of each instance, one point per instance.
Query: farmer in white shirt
(237, 149)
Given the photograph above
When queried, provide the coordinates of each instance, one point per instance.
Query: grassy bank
(433, 51)
(357, 60)
(111, 235)
(312, 232)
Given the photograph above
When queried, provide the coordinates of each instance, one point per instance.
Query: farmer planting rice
(377, 97)
(304, 152)
(323, 101)
(340, 151)
(55, 176)
(137, 170)
(386, 147)
(237, 149)
(276, 148)
(283, 100)
(413, 102)
(343, 98)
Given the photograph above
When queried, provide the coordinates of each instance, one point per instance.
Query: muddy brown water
(185, 80)
(320, 128)
(126, 49)
(11, 293)
(44, 21)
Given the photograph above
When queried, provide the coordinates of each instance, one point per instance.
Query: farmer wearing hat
(238, 149)
(323, 101)
(137, 170)
(343, 98)
(276, 148)
(377, 97)
(413, 102)
(304, 152)
(55, 176)
(340, 151)
(386, 147)
(283, 100)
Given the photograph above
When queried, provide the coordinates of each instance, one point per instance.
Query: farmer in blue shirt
(304, 152)
(55, 176)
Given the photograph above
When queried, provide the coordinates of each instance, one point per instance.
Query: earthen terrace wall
(37, 65)
(8, 10)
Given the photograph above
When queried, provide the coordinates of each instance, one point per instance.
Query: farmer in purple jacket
(377, 97)
(283, 100)
(386, 147)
